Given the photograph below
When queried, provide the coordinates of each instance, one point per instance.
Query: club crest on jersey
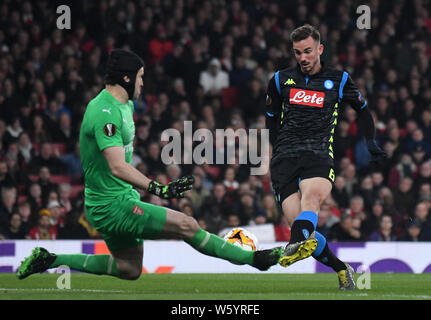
(328, 84)
(307, 98)
(138, 210)
(109, 129)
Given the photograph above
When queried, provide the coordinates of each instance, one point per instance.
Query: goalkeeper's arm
(123, 170)
(126, 172)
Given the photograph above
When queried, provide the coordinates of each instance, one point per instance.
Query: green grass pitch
(215, 287)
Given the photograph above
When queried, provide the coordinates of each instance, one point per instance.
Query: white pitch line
(68, 290)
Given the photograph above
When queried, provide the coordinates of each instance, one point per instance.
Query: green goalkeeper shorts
(126, 221)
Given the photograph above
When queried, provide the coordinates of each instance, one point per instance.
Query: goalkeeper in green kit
(113, 206)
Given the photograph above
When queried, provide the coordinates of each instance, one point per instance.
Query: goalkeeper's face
(139, 84)
(307, 54)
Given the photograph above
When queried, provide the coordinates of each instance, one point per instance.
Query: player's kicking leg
(313, 192)
(292, 208)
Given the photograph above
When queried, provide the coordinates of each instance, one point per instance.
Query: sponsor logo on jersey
(307, 97)
(109, 129)
(138, 210)
(290, 81)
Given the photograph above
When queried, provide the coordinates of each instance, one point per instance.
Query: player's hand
(174, 189)
(377, 153)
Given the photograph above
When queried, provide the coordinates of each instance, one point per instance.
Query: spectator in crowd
(418, 139)
(378, 181)
(424, 192)
(357, 208)
(187, 209)
(371, 223)
(424, 175)
(13, 131)
(72, 228)
(5, 179)
(419, 155)
(421, 215)
(413, 231)
(64, 193)
(39, 132)
(229, 179)
(282, 230)
(34, 198)
(351, 180)
(47, 159)
(153, 160)
(8, 204)
(215, 208)
(25, 147)
(233, 221)
(404, 196)
(366, 191)
(213, 80)
(323, 222)
(405, 168)
(198, 193)
(385, 231)
(43, 230)
(45, 183)
(57, 214)
(345, 230)
(16, 174)
(27, 217)
(16, 230)
(72, 162)
(339, 192)
(239, 75)
(269, 206)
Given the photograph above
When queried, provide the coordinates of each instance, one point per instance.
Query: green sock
(212, 245)
(90, 263)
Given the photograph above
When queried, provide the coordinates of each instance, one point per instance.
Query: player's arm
(352, 96)
(122, 170)
(273, 110)
(107, 132)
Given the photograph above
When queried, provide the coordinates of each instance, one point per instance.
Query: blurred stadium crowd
(209, 62)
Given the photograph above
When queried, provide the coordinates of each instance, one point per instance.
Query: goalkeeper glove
(174, 189)
(377, 154)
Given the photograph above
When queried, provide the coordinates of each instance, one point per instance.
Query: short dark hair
(303, 32)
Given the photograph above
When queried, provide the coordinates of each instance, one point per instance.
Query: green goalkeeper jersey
(106, 123)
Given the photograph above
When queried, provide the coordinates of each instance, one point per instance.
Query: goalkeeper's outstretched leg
(125, 260)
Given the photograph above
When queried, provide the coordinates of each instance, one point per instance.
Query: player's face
(307, 53)
(139, 84)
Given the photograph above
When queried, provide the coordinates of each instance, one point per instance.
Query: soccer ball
(242, 238)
